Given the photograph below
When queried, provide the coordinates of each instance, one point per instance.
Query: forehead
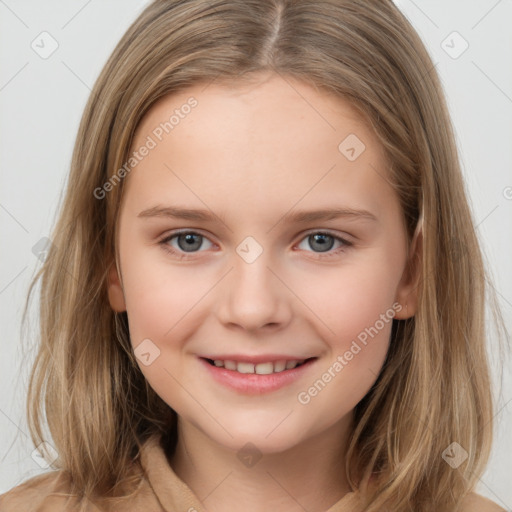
(259, 107)
(273, 140)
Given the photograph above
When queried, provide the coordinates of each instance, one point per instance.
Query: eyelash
(185, 256)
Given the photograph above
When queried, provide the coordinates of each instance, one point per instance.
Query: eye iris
(190, 244)
(320, 239)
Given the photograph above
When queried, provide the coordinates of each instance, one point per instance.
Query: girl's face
(257, 278)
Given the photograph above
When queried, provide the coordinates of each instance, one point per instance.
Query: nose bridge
(254, 296)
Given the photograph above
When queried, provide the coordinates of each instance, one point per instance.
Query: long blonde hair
(434, 388)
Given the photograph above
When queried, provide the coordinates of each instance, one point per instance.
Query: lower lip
(253, 383)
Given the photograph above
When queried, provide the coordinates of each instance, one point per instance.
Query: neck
(310, 476)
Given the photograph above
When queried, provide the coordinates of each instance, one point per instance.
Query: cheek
(349, 299)
(163, 302)
(355, 306)
(358, 323)
(159, 297)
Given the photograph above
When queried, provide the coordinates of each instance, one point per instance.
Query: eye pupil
(190, 242)
(320, 239)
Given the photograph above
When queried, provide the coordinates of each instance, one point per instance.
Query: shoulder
(48, 492)
(475, 503)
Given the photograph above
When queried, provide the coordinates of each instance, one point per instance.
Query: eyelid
(184, 231)
(331, 253)
(346, 237)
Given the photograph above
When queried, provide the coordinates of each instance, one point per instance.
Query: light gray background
(41, 102)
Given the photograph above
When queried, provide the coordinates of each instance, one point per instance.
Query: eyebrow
(301, 216)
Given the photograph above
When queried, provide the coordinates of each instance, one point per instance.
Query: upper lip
(264, 358)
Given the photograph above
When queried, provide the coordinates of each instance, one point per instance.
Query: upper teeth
(260, 368)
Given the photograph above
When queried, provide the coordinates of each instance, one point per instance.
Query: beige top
(162, 491)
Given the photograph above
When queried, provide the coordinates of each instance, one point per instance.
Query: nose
(253, 296)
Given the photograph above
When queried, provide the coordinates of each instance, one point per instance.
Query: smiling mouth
(265, 368)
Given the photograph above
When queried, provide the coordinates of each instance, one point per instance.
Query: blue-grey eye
(188, 242)
(321, 242)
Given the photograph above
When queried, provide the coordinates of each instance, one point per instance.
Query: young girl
(264, 290)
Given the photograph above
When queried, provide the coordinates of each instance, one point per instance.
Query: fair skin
(251, 154)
